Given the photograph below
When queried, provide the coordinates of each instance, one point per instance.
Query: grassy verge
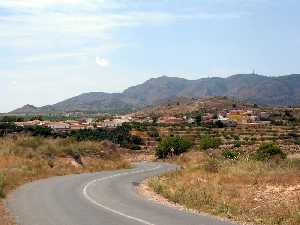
(24, 159)
(243, 190)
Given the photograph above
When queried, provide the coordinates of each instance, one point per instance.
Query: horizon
(52, 50)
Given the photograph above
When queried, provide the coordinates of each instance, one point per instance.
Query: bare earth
(4, 215)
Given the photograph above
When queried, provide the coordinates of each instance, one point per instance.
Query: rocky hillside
(283, 90)
(274, 91)
(180, 106)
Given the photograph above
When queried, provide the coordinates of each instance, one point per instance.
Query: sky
(51, 50)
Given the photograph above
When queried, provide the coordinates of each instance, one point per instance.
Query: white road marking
(86, 195)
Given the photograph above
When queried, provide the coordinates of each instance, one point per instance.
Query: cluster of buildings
(175, 120)
(227, 117)
(59, 126)
(247, 116)
(118, 121)
(231, 118)
(69, 125)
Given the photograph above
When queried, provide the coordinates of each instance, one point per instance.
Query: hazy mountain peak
(26, 109)
(243, 76)
(255, 88)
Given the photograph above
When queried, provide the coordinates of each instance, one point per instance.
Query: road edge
(146, 192)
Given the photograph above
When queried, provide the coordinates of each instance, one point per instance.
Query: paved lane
(105, 198)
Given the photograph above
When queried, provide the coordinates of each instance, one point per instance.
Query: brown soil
(5, 219)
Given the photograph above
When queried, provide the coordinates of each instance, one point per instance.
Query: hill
(26, 109)
(263, 90)
(184, 105)
(282, 91)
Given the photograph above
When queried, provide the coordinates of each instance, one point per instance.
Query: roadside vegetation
(120, 135)
(260, 186)
(172, 146)
(25, 158)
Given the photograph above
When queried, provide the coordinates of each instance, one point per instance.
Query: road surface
(105, 198)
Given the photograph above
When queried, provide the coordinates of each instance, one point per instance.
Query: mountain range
(262, 90)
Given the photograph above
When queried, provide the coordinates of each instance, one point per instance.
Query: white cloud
(14, 83)
(102, 62)
(40, 27)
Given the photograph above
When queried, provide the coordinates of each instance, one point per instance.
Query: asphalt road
(105, 198)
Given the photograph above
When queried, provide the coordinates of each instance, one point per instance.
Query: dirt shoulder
(6, 219)
(244, 191)
(24, 159)
(144, 190)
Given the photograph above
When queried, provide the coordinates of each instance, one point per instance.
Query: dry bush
(24, 158)
(244, 190)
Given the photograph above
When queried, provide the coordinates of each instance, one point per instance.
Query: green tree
(198, 119)
(2, 184)
(36, 118)
(172, 146)
(207, 142)
(9, 119)
(267, 151)
(297, 142)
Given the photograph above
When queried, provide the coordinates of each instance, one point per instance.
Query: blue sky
(54, 49)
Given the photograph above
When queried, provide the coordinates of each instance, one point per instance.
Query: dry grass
(242, 190)
(5, 219)
(24, 159)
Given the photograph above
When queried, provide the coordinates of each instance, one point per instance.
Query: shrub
(267, 151)
(226, 136)
(39, 131)
(158, 139)
(207, 142)
(153, 132)
(297, 142)
(120, 135)
(136, 140)
(198, 119)
(2, 184)
(230, 154)
(155, 184)
(172, 145)
(6, 128)
(30, 142)
(219, 124)
(235, 137)
(293, 134)
(135, 147)
(237, 144)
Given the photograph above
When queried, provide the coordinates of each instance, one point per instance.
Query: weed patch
(245, 190)
(268, 150)
(207, 142)
(2, 184)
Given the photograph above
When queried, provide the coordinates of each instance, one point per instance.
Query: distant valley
(263, 90)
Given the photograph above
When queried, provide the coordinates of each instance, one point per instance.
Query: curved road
(105, 198)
